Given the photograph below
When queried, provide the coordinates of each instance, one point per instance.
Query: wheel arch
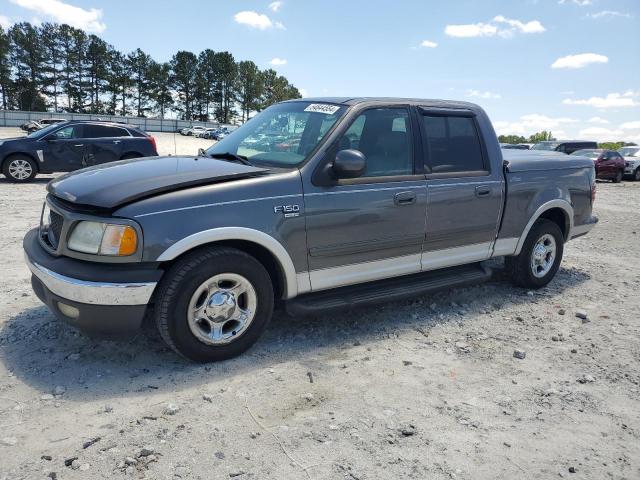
(262, 246)
(558, 211)
(20, 154)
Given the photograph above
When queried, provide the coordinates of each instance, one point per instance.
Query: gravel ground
(426, 388)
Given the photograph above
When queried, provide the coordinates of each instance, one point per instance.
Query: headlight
(103, 239)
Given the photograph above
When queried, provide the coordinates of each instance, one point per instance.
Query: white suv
(631, 161)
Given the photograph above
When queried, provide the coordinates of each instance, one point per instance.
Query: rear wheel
(214, 304)
(540, 257)
(636, 175)
(19, 169)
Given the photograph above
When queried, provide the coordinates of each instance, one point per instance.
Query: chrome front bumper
(92, 293)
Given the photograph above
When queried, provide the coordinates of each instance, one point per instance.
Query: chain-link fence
(15, 118)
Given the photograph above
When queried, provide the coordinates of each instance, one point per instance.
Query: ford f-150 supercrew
(313, 204)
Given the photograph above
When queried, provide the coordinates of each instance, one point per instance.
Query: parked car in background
(608, 163)
(70, 146)
(207, 246)
(35, 125)
(564, 146)
(631, 161)
(514, 146)
(206, 133)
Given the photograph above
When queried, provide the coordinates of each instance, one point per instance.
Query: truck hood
(529, 160)
(118, 183)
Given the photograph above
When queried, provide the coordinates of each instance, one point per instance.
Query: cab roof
(417, 101)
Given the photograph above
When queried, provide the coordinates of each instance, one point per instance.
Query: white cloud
(484, 95)
(600, 133)
(88, 20)
(612, 100)
(278, 61)
(579, 61)
(256, 20)
(608, 14)
(598, 120)
(532, 123)
(501, 26)
(582, 3)
(428, 44)
(631, 125)
(5, 22)
(471, 30)
(534, 26)
(275, 6)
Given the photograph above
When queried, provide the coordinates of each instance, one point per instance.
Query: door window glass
(103, 131)
(64, 133)
(382, 135)
(452, 144)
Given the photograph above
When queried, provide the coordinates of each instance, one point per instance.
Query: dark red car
(609, 164)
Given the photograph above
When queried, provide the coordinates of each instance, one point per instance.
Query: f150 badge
(288, 211)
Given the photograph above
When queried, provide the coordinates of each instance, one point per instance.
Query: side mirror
(201, 152)
(349, 164)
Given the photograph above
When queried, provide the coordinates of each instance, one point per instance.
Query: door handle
(116, 141)
(404, 198)
(79, 145)
(483, 191)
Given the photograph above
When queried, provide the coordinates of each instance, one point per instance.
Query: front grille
(55, 229)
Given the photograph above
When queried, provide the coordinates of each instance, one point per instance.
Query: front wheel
(19, 169)
(214, 304)
(540, 257)
(618, 177)
(636, 175)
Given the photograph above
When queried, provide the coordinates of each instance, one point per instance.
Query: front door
(370, 227)
(63, 150)
(464, 195)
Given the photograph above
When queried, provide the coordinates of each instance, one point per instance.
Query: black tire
(519, 267)
(181, 282)
(618, 177)
(636, 175)
(19, 169)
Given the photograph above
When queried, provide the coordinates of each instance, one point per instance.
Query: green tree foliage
(513, 139)
(62, 68)
(542, 136)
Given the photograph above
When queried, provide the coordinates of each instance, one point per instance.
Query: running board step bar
(387, 290)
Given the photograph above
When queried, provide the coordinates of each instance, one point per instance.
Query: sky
(569, 66)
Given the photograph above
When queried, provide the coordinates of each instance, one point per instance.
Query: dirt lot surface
(427, 388)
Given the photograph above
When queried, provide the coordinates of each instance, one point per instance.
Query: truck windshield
(284, 135)
(545, 146)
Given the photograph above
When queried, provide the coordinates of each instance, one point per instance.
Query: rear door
(63, 150)
(464, 195)
(104, 143)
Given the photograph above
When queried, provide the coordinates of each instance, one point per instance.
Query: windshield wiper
(231, 156)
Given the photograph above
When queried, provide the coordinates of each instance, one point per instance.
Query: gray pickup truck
(312, 205)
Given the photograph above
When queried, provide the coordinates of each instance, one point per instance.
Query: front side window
(452, 144)
(283, 135)
(64, 133)
(382, 135)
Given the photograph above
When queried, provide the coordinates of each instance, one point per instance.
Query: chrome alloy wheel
(222, 308)
(20, 169)
(543, 255)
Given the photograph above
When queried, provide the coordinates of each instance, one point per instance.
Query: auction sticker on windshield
(322, 108)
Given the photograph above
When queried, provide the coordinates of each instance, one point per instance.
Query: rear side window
(104, 131)
(452, 144)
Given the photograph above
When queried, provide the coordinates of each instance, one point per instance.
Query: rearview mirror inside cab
(349, 164)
